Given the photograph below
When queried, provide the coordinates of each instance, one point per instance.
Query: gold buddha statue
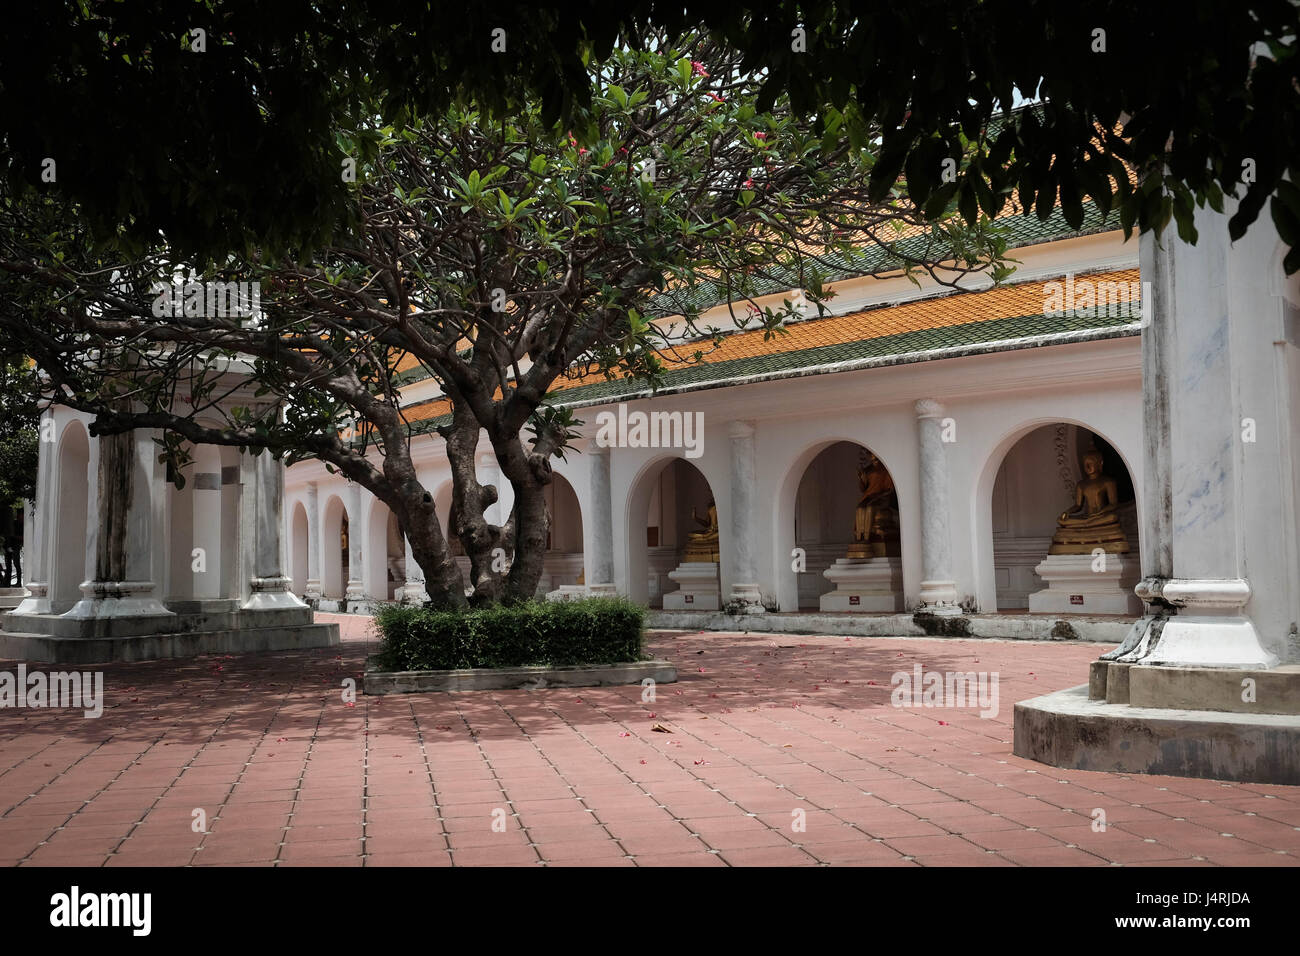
(875, 520)
(703, 545)
(1093, 522)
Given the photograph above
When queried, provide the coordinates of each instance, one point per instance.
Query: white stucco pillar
(1220, 414)
(938, 589)
(413, 590)
(356, 588)
(600, 565)
(125, 544)
(269, 586)
(39, 525)
(312, 589)
(744, 515)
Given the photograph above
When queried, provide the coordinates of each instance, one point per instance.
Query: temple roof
(960, 323)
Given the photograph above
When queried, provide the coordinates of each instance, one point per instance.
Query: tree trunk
(470, 500)
(529, 475)
(418, 520)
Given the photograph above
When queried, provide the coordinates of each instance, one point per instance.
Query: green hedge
(606, 630)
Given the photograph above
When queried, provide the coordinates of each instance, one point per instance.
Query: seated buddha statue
(875, 520)
(703, 545)
(1093, 522)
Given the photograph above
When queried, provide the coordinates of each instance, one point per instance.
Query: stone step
(1036, 627)
(56, 625)
(1222, 690)
(1067, 729)
(99, 650)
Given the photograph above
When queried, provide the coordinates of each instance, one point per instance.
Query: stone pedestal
(1075, 586)
(567, 592)
(699, 591)
(864, 584)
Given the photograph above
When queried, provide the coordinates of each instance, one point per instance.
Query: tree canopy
(222, 139)
(493, 254)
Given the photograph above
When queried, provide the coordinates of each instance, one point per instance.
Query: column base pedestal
(36, 601)
(748, 597)
(272, 594)
(1203, 624)
(699, 591)
(939, 599)
(412, 592)
(117, 599)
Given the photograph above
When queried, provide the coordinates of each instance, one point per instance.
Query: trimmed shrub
(605, 630)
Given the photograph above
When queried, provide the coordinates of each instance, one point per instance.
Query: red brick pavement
(767, 731)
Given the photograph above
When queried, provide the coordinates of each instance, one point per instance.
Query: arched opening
(334, 549)
(846, 518)
(1056, 470)
(299, 542)
(73, 494)
(672, 522)
(562, 563)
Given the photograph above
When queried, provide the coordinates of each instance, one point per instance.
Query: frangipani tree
(496, 256)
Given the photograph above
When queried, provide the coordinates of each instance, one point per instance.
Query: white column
(744, 512)
(1219, 422)
(356, 589)
(38, 533)
(125, 535)
(938, 589)
(207, 500)
(600, 570)
(413, 590)
(312, 589)
(269, 585)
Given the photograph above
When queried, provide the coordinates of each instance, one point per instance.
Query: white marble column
(413, 590)
(744, 514)
(312, 589)
(938, 589)
(124, 535)
(269, 586)
(356, 588)
(600, 573)
(1219, 532)
(38, 532)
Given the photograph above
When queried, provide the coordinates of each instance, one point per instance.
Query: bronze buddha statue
(703, 545)
(875, 520)
(1093, 522)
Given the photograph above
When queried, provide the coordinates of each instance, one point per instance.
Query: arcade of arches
(846, 524)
